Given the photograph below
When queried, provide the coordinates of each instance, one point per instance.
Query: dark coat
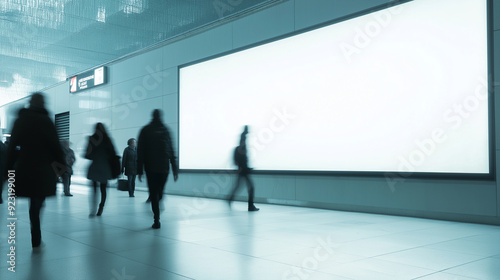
(34, 152)
(101, 151)
(129, 161)
(155, 151)
(240, 155)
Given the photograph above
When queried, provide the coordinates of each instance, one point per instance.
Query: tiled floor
(204, 239)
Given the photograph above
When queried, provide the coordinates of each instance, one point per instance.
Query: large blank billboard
(402, 89)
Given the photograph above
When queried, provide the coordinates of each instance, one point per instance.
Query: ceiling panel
(44, 41)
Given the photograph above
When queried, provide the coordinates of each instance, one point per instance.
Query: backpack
(237, 156)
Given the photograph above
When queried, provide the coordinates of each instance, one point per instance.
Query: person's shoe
(99, 212)
(131, 195)
(253, 208)
(68, 194)
(156, 225)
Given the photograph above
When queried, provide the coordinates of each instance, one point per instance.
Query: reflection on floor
(204, 239)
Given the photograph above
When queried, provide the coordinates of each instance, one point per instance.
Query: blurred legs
(36, 204)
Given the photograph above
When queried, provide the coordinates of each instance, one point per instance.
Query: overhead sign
(88, 79)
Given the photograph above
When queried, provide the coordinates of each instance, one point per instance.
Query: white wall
(142, 83)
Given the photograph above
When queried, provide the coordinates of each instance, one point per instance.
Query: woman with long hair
(101, 152)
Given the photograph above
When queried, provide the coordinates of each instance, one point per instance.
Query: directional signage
(88, 79)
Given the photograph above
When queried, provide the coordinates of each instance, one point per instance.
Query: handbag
(123, 184)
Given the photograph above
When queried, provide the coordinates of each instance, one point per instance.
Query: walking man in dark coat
(129, 165)
(35, 155)
(155, 154)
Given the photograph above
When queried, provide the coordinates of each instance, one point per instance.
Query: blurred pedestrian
(155, 154)
(241, 160)
(35, 155)
(101, 152)
(69, 156)
(129, 165)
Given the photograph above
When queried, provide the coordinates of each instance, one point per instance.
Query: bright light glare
(402, 89)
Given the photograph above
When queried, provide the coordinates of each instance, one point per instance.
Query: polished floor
(204, 239)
